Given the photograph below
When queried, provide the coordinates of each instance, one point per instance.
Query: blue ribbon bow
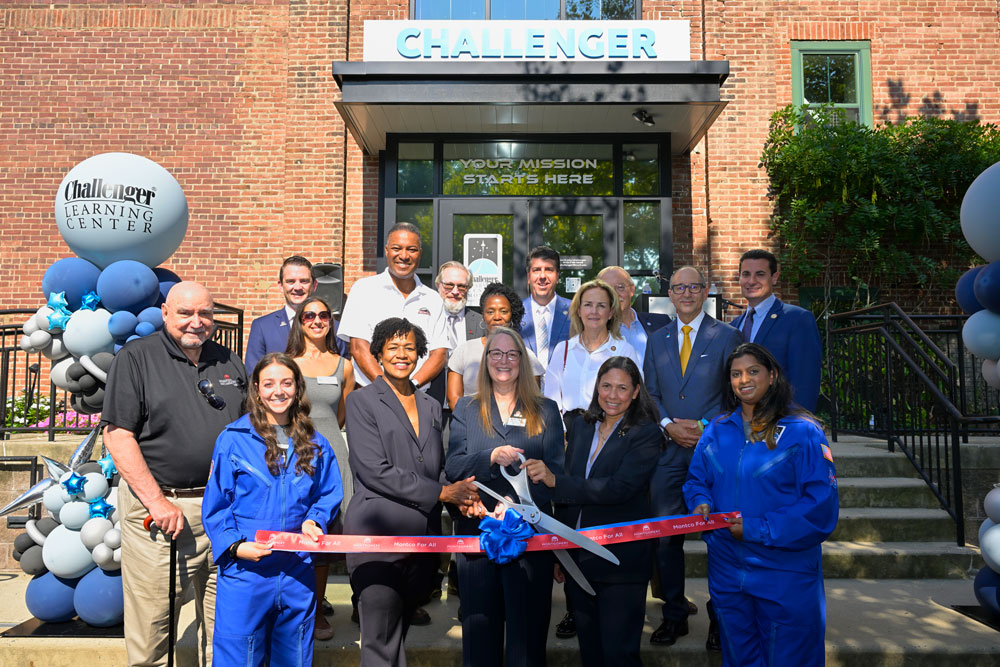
(503, 541)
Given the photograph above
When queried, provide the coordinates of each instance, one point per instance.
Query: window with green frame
(834, 72)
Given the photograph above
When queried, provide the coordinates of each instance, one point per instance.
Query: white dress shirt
(573, 387)
(539, 311)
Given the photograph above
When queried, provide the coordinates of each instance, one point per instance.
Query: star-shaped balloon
(90, 301)
(101, 508)
(107, 466)
(74, 483)
(57, 301)
(58, 318)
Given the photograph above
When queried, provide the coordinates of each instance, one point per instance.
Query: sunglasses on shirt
(208, 391)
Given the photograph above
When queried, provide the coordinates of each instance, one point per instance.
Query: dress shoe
(420, 617)
(354, 615)
(327, 608)
(566, 628)
(692, 607)
(322, 630)
(714, 640)
(668, 632)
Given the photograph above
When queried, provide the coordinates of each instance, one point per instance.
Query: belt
(196, 492)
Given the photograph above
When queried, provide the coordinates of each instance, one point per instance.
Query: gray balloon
(46, 525)
(991, 504)
(23, 542)
(89, 467)
(31, 561)
(92, 532)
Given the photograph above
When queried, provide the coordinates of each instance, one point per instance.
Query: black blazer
(616, 491)
(397, 474)
(470, 445)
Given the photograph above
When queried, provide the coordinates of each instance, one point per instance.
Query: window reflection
(421, 214)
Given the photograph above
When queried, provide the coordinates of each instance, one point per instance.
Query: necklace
(587, 347)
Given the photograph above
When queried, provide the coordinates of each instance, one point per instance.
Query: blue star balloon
(107, 466)
(74, 484)
(58, 319)
(57, 301)
(101, 508)
(90, 301)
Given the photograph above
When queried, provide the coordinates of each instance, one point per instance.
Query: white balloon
(980, 223)
(102, 554)
(145, 213)
(54, 498)
(64, 554)
(42, 317)
(74, 514)
(991, 504)
(113, 538)
(118, 555)
(989, 547)
(87, 333)
(33, 532)
(56, 349)
(30, 326)
(58, 372)
(40, 339)
(986, 525)
(93, 531)
(95, 487)
(25, 343)
(991, 373)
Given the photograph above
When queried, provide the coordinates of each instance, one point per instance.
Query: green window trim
(860, 49)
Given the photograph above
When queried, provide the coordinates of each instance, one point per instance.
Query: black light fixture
(642, 116)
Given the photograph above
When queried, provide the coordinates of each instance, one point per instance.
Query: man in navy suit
(636, 327)
(684, 368)
(787, 331)
(269, 333)
(546, 314)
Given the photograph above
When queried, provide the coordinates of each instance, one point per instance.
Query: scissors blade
(549, 525)
(490, 492)
(571, 568)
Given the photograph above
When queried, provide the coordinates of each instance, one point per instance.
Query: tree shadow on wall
(899, 107)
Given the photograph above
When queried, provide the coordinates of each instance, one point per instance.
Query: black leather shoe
(420, 617)
(692, 607)
(668, 632)
(714, 640)
(566, 628)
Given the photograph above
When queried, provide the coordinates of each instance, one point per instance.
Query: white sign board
(498, 41)
(483, 254)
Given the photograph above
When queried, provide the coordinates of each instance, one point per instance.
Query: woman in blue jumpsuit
(270, 471)
(768, 459)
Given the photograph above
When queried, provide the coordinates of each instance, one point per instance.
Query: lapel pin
(613, 348)
(774, 316)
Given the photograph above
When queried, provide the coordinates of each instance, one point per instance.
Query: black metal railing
(30, 403)
(889, 379)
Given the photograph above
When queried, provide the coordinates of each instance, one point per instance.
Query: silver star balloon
(56, 470)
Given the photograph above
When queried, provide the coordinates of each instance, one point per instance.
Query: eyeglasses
(451, 287)
(310, 315)
(208, 391)
(694, 288)
(498, 355)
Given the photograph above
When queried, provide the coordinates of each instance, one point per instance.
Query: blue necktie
(748, 326)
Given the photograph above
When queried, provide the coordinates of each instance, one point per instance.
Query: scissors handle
(519, 482)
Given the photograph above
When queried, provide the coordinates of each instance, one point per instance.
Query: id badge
(517, 421)
(327, 379)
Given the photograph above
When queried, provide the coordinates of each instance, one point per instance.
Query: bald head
(187, 314)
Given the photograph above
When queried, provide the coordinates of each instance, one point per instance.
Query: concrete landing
(870, 622)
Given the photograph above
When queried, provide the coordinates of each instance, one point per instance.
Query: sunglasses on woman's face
(310, 315)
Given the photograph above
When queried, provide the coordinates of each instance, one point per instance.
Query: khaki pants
(146, 580)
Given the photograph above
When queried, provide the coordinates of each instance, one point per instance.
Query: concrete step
(857, 460)
(893, 524)
(878, 560)
(869, 622)
(886, 492)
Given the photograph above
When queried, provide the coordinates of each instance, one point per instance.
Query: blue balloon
(981, 334)
(132, 338)
(122, 324)
(50, 598)
(118, 347)
(167, 280)
(71, 275)
(965, 291)
(987, 287)
(153, 315)
(987, 589)
(99, 600)
(127, 285)
(144, 329)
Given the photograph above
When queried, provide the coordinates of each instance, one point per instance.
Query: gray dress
(325, 398)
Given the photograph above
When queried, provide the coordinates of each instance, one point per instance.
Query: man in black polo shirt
(168, 397)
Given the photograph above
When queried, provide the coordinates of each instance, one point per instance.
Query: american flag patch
(827, 454)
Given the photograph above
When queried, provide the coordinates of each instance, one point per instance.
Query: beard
(454, 307)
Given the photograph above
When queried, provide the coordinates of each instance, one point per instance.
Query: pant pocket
(231, 650)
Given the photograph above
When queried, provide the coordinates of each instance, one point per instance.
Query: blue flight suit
(264, 612)
(768, 588)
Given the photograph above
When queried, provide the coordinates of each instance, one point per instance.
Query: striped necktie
(543, 330)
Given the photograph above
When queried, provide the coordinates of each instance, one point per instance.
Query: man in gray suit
(684, 368)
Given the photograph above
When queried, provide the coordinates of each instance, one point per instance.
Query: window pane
(485, 224)
(518, 169)
(640, 170)
(449, 9)
(415, 169)
(829, 78)
(518, 10)
(642, 236)
(583, 9)
(600, 9)
(575, 235)
(421, 214)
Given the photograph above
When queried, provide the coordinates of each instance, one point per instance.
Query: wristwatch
(234, 546)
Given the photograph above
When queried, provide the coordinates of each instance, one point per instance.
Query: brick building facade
(236, 100)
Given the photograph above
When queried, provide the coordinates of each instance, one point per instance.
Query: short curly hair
(506, 291)
(394, 327)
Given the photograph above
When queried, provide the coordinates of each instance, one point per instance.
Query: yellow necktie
(685, 348)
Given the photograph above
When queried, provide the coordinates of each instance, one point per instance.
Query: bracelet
(234, 546)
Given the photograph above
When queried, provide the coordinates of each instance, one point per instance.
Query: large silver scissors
(543, 523)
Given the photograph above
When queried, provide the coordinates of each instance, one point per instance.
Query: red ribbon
(611, 534)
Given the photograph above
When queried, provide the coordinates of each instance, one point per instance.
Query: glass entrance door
(585, 233)
(472, 223)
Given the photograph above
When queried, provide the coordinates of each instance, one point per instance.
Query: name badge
(327, 379)
(517, 421)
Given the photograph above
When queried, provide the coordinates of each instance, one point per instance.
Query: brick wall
(235, 99)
